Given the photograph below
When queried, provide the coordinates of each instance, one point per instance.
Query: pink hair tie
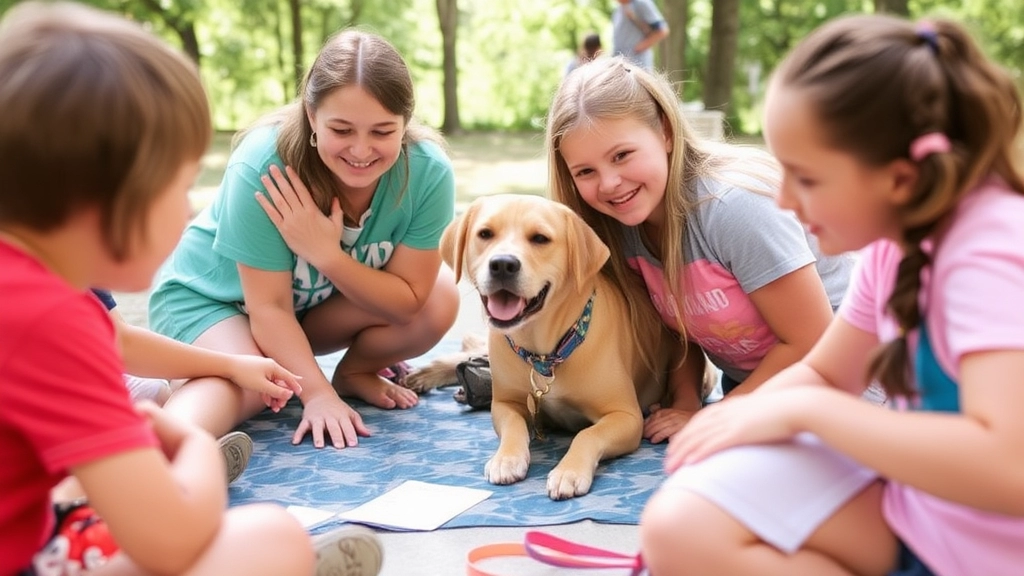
(927, 144)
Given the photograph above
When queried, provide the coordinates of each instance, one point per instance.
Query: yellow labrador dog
(560, 347)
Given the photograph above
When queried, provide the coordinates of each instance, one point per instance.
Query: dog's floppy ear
(454, 239)
(587, 253)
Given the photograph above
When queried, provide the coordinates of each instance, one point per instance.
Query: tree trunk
(674, 47)
(892, 7)
(448, 16)
(286, 87)
(298, 65)
(725, 24)
(185, 29)
(189, 41)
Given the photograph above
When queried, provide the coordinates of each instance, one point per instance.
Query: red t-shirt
(63, 402)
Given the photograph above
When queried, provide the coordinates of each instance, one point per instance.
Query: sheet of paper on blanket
(416, 505)
(310, 517)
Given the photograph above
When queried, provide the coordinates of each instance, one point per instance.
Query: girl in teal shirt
(323, 237)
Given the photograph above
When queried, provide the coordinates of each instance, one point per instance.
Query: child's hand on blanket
(274, 384)
(663, 423)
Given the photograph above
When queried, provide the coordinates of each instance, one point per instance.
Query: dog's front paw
(506, 469)
(564, 483)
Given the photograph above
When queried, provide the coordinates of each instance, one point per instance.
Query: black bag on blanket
(474, 378)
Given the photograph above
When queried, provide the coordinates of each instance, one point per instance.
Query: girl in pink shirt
(898, 139)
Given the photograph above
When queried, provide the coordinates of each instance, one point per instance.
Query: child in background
(103, 133)
(902, 140)
(590, 49)
(693, 228)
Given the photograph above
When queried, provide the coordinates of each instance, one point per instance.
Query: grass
(484, 162)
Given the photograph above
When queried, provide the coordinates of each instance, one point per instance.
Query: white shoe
(154, 389)
(348, 551)
(236, 447)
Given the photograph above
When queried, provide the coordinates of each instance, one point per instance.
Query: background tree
(298, 62)
(511, 54)
(180, 17)
(721, 66)
(893, 7)
(448, 16)
(673, 48)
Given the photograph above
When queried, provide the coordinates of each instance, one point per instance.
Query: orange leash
(488, 551)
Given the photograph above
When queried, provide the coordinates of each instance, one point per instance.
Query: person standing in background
(590, 49)
(637, 26)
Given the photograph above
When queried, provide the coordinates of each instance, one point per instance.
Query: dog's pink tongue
(505, 306)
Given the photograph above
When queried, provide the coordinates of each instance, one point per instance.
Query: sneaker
(474, 375)
(155, 389)
(348, 551)
(236, 447)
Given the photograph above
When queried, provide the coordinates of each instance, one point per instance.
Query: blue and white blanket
(438, 441)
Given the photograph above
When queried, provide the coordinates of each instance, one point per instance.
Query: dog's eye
(485, 234)
(540, 239)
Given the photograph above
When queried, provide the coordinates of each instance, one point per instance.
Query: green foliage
(511, 54)
(997, 24)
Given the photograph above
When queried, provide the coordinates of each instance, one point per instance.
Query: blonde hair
(97, 112)
(876, 83)
(349, 58)
(613, 89)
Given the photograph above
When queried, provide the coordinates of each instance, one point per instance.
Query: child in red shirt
(103, 134)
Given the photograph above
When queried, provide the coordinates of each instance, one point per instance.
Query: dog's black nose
(504, 266)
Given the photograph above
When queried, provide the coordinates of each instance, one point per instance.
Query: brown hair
(878, 82)
(349, 58)
(97, 112)
(614, 88)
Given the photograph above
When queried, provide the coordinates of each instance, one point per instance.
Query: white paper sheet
(416, 505)
(310, 517)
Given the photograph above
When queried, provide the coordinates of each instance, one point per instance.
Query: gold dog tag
(533, 405)
(533, 400)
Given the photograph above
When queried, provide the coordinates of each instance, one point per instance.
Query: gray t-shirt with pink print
(736, 241)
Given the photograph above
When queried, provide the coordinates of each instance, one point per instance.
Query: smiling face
(620, 168)
(358, 139)
(843, 201)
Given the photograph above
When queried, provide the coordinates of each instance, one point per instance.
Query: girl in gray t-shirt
(725, 268)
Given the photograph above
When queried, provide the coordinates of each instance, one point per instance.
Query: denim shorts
(908, 564)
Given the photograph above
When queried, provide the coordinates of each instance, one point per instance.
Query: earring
(312, 140)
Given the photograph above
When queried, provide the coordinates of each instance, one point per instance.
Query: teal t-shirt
(234, 228)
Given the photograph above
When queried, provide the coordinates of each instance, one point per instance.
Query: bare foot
(375, 390)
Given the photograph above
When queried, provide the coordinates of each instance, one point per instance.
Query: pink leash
(554, 551)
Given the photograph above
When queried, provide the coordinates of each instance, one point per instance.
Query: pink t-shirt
(63, 402)
(735, 242)
(972, 301)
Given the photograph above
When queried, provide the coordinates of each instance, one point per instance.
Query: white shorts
(781, 492)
